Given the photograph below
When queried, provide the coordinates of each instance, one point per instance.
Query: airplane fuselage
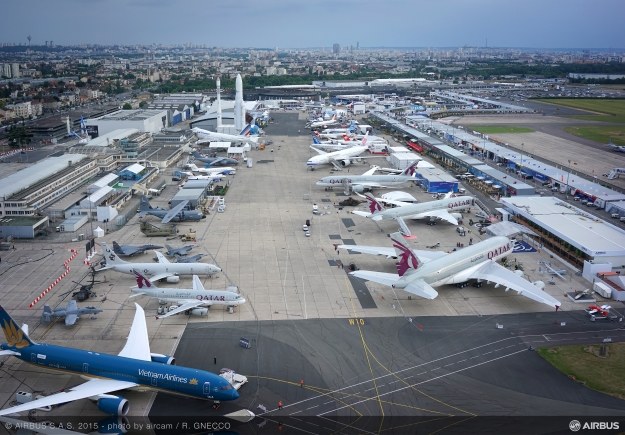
(209, 297)
(410, 210)
(385, 180)
(324, 159)
(150, 375)
(457, 266)
(180, 217)
(151, 269)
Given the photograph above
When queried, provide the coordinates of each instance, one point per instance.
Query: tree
(127, 106)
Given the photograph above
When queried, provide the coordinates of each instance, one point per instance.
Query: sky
(318, 23)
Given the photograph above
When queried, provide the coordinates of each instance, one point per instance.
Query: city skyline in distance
(582, 24)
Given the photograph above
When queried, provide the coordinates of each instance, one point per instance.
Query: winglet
(407, 259)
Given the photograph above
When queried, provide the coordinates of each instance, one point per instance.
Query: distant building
(336, 48)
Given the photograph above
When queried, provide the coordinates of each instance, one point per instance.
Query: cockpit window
(226, 387)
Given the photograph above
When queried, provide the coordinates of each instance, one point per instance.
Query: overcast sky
(319, 23)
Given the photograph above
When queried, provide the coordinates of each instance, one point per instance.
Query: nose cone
(215, 269)
(234, 394)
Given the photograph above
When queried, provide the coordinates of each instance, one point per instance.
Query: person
(301, 383)
(279, 404)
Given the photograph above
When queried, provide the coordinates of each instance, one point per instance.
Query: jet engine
(113, 405)
(345, 162)
(539, 284)
(358, 188)
(456, 216)
(200, 311)
(173, 279)
(163, 359)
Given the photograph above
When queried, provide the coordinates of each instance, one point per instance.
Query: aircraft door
(154, 381)
(207, 389)
(85, 367)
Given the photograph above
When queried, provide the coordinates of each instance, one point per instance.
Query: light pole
(567, 181)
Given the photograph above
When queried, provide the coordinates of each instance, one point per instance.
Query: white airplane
(420, 271)
(338, 159)
(195, 300)
(319, 124)
(226, 170)
(441, 209)
(214, 136)
(369, 180)
(210, 177)
(157, 271)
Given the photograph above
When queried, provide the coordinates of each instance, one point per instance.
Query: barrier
(57, 280)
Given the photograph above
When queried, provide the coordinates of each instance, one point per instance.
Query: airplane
(619, 148)
(157, 271)
(177, 213)
(226, 170)
(71, 313)
(441, 209)
(135, 367)
(420, 271)
(214, 161)
(318, 124)
(189, 258)
(210, 177)
(216, 137)
(194, 301)
(338, 159)
(369, 180)
(130, 250)
(183, 250)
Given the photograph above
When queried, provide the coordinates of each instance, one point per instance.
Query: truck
(189, 236)
(602, 289)
(152, 230)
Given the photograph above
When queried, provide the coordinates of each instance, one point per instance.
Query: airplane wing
(93, 387)
(70, 319)
(160, 276)
(197, 284)
(370, 185)
(441, 214)
(423, 256)
(174, 212)
(187, 305)
(161, 258)
(318, 150)
(137, 344)
(372, 170)
(72, 305)
(403, 228)
(498, 274)
(417, 287)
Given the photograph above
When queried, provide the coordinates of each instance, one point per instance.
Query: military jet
(189, 259)
(178, 252)
(71, 313)
(130, 250)
(176, 214)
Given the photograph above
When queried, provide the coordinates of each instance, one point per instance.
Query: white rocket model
(218, 104)
(239, 113)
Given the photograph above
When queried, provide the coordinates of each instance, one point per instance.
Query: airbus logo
(576, 425)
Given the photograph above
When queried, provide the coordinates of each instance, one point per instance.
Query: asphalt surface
(395, 370)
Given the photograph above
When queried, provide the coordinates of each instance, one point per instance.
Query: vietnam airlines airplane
(133, 368)
(442, 209)
(420, 271)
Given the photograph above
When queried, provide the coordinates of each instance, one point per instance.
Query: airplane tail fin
(142, 281)
(411, 169)
(117, 249)
(15, 336)
(374, 206)
(144, 205)
(246, 130)
(407, 260)
(111, 256)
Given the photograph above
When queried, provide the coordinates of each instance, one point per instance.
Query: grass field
(611, 111)
(605, 374)
(494, 129)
